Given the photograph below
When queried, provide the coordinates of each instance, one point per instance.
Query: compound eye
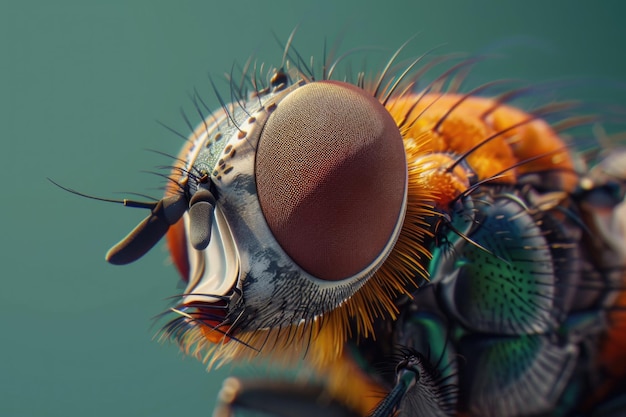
(331, 178)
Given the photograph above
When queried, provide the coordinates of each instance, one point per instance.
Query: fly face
(294, 199)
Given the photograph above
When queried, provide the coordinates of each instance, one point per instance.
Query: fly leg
(418, 391)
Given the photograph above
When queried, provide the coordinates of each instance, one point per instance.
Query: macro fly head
(304, 217)
(280, 209)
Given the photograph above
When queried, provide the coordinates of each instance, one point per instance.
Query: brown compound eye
(331, 178)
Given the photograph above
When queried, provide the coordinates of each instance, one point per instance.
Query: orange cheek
(215, 335)
(177, 245)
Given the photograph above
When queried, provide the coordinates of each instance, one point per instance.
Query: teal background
(81, 85)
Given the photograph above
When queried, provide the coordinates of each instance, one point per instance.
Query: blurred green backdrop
(81, 85)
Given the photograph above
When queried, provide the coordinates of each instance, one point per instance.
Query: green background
(81, 85)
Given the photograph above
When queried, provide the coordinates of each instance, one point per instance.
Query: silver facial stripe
(216, 269)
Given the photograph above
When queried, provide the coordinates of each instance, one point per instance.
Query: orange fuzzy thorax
(516, 135)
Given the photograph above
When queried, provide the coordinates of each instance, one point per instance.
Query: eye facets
(331, 178)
